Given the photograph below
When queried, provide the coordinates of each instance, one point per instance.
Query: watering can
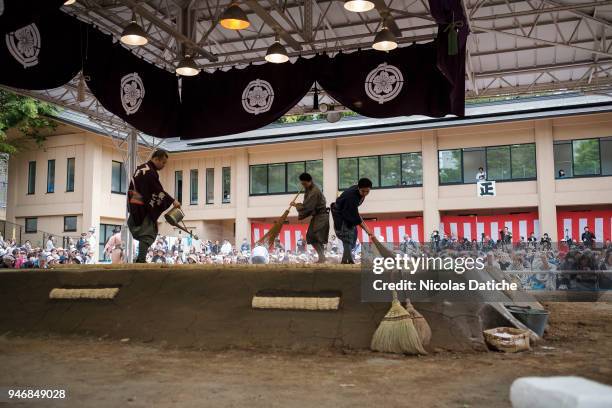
(175, 217)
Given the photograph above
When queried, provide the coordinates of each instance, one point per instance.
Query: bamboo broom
(396, 332)
(270, 236)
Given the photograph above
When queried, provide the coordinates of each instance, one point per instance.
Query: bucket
(535, 319)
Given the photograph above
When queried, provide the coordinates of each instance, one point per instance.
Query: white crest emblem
(257, 97)
(24, 45)
(384, 83)
(132, 92)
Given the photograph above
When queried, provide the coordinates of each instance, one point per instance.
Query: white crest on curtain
(384, 83)
(257, 97)
(24, 45)
(132, 92)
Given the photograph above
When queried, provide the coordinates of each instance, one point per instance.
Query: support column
(240, 185)
(330, 175)
(92, 197)
(131, 164)
(545, 164)
(429, 154)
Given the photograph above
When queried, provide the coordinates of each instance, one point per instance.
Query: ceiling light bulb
(277, 53)
(234, 18)
(133, 34)
(385, 40)
(358, 6)
(187, 67)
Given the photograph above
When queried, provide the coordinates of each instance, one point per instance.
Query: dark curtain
(140, 93)
(381, 85)
(449, 15)
(15, 14)
(238, 100)
(42, 54)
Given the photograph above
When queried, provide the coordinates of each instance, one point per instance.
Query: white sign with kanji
(485, 188)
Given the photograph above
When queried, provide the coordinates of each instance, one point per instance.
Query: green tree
(28, 115)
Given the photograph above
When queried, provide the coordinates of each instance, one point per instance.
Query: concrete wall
(92, 200)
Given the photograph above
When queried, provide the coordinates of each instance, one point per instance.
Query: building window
(282, 178)
(70, 174)
(70, 223)
(50, 176)
(523, 158)
(193, 187)
(583, 158)
(32, 177)
(31, 225)
(450, 166)
(386, 171)
(227, 184)
(472, 159)
(501, 163)
(259, 179)
(605, 149)
(106, 231)
(210, 186)
(586, 157)
(118, 178)
(178, 186)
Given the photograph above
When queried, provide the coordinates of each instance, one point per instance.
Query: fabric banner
(15, 14)
(41, 53)
(472, 227)
(405, 81)
(450, 15)
(238, 100)
(140, 93)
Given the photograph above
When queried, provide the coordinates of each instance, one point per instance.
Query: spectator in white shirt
(481, 175)
(260, 255)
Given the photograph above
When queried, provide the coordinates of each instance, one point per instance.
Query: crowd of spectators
(531, 259)
(53, 252)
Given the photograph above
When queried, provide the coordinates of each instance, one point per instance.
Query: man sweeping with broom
(345, 212)
(314, 206)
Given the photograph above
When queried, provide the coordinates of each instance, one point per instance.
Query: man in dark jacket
(314, 206)
(147, 201)
(345, 213)
(588, 238)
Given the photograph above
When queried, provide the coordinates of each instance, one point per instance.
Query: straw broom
(271, 235)
(396, 332)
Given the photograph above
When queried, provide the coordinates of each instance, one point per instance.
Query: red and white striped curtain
(472, 227)
(394, 230)
(389, 230)
(289, 234)
(598, 221)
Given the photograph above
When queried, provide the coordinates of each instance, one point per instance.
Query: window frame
(193, 201)
(227, 169)
(122, 181)
(68, 161)
(510, 180)
(210, 170)
(27, 231)
(571, 143)
(76, 220)
(50, 169)
(286, 189)
(178, 192)
(31, 177)
(379, 158)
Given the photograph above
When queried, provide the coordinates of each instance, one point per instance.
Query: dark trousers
(145, 233)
